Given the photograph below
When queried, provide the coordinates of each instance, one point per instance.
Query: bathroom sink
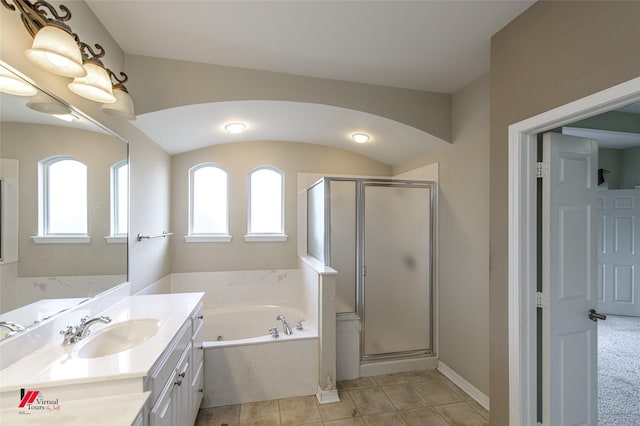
(117, 338)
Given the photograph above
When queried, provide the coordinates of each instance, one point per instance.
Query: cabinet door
(183, 388)
(163, 412)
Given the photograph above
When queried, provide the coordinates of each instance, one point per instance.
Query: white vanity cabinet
(176, 379)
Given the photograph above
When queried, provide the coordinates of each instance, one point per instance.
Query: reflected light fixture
(65, 117)
(360, 137)
(235, 128)
(13, 85)
(42, 102)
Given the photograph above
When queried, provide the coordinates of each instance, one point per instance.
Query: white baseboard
(327, 396)
(473, 392)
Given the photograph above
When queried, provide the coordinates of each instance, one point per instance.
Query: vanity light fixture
(360, 137)
(235, 128)
(55, 50)
(96, 84)
(59, 50)
(12, 85)
(123, 106)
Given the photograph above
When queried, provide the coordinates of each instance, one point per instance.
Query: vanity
(145, 367)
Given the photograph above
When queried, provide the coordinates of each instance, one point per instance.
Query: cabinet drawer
(197, 320)
(167, 365)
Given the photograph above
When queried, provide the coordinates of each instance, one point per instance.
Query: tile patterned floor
(424, 398)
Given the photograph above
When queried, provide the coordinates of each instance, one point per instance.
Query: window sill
(116, 239)
(265, 237)
(61, 239)
(207, 238)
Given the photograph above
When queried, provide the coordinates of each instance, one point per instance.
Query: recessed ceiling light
(360, 137)
(235, 128)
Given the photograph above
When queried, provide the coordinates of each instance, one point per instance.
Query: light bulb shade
(55, 50)
(122, 107)
(42, 102)
(95, 86)
(13, 85)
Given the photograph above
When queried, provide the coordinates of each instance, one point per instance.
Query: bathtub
(244, 363)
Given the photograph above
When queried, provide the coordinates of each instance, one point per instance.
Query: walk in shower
(378, 234)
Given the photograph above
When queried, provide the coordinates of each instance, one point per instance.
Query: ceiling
(436, 46)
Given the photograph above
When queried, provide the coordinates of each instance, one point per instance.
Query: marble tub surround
(122, 411)
(53, 369)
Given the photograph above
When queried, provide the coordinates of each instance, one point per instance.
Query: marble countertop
(54, 365)
(118, 410)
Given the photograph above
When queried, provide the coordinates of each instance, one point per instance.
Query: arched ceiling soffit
(191, 127)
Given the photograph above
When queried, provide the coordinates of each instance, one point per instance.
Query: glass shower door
(396, 270)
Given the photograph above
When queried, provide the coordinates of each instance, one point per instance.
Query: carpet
(619, 371)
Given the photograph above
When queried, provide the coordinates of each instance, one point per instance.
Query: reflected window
(120, 199)
(266, 202)
(208, 202)
(63, 197)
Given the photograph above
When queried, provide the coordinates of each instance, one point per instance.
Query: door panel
(570, 277)
(618, 257)
(397, 289)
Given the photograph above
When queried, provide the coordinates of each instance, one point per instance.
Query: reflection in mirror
(63, 208)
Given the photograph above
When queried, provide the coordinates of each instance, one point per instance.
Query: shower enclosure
(378, 235)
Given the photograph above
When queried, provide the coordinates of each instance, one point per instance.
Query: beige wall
(155, 81)
(238, 159)
(463, 246)
(552, 54)
(149, 189)
(30, 143)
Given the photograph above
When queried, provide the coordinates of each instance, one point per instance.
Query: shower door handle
(594, 316)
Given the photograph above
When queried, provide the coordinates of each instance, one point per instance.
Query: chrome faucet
(285, 324)
(75, 334)
(11, 326)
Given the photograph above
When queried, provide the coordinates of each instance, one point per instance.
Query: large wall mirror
(63, 209)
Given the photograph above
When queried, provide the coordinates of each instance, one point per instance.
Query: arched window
(62, 199)
(208, 204)
(266, 205)
(119, 201)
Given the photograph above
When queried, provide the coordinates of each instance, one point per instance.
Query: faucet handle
(274, 332)
(67, 331)
(299, 325)
(83, 320)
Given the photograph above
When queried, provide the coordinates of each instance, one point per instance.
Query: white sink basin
(117, 338)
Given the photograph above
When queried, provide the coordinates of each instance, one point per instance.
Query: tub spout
(285, 324)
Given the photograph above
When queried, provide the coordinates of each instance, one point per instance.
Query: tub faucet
(285, 324)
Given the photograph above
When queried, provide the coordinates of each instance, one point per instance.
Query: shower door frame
(361, 273)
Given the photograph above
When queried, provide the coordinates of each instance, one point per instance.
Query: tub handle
(299, 325)
(274, 332)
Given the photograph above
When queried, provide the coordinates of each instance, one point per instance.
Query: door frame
(522, 263)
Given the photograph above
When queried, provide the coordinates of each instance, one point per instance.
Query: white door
(569, 280)
(618, 258)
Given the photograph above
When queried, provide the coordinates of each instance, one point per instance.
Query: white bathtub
(244, 363)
